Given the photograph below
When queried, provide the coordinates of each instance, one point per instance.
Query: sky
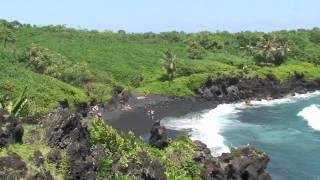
(167, 15)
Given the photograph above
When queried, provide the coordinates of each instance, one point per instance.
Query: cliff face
(245, 163)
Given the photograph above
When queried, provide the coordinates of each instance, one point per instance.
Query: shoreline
(138, 121)
(211, 94)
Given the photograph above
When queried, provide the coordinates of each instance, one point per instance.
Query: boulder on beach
(158, 136)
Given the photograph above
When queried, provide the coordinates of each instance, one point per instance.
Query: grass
(33, 140)
(134, 61)
(43, 92)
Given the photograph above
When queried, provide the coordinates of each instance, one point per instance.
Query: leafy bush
(17, 106)
(177, 157)
(77, 74)
(45, 61)
(101, 133)
(196, 51)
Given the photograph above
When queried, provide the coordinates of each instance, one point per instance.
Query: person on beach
(150, 114)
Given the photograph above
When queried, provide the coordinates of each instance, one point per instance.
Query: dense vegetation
(177, 157)
(92, 62)
(45, 65)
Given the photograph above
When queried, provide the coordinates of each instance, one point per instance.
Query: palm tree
(272, 50)
(169, 59)
(6, 35)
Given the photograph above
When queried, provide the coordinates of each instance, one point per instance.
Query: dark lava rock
(82, 164)
(152, 170)
(46, 175)
(54, 156)
(30, 120)
(233, 89)
(246, 164)
(82, 108)
(64, 104)
(147, 169)
(202, 153)
(65, 128)
(12, 167)
(38, 158)
(67, 132)
(158, 136)
(11, 130)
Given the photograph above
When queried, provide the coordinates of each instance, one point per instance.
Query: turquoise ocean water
(287, 129)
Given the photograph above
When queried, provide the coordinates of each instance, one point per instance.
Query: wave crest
(205, 126)
(311, 114)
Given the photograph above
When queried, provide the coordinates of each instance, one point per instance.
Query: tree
(169, 59)
(6, 35)
(195, 50)
(315, 35)
(271, 50)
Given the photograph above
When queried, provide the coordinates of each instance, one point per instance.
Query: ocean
(287, 129)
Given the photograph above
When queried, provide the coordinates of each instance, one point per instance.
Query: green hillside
(44, 92)
(94, 62)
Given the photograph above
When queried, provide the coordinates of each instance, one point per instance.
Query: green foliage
(33, 140)
(177, 157)
(6, 35)
(77, 74)
(235, 152)
(94, 61)
(169, 60)
(315, 35)
(44, 92)
(101, 133)
(271, 50)
(17, 106)
(124, 145)
(45, 61)
(195, 50)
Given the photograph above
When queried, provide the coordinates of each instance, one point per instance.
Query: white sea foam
(205, 126)
(312, 115)
(287, 99)
(208, 125)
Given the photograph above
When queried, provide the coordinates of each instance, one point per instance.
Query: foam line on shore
(207, 126)
(312, 115)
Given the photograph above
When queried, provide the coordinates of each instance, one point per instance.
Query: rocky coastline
(209, 95)
(65, 130)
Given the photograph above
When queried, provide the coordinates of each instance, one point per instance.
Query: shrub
(78, 74)
(45, 61)
(195, 50)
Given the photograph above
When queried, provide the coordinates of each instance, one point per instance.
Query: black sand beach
(137, 119)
